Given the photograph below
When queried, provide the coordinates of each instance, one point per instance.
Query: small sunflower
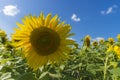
(101, 41)
(44, 40)
(2, 33)
(87, 40)
(95, 43)
(111, 41)
(117, 50)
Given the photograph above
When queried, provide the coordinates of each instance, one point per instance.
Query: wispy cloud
(109, 10)
(98, 39)
(75, 18)
(10, 10)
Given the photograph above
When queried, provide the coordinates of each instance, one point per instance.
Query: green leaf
(27, 76)
(76, 66)
(67, 77)
(93, 68)
(43, 75)
(55, 75)
(115, 71)
(1, 66)
(49, 76)
(5, 76)
(46, 78)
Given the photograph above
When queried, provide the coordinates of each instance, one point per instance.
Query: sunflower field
(41, 49)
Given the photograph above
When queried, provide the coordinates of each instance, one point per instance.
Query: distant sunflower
(43, 39)
(87, 40)
(117, 50)
(111, 41)
(2, 33)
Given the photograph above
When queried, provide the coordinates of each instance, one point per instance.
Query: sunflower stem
(105, 69)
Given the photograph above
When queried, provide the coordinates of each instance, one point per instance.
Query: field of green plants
(92, 60)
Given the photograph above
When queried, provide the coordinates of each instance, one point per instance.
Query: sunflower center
(44, 40)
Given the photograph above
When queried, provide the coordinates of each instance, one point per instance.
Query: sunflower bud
(87, 40)
(95, 43)
(111, 41)
(101, 41)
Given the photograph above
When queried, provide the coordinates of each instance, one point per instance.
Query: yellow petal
(48, 18)
(54, 21)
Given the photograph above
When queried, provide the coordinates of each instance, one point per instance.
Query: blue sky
(98, 18)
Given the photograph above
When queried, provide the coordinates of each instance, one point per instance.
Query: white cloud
(10, 10)
(75, 18)
(109, 10)
(98, 39)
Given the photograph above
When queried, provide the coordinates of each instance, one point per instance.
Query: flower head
(95, 43)
(117, 50)
(111, 41)
(2, 33)
(44, 40)
(87, 40)
(101, 41)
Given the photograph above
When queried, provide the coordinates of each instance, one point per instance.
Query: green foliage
(93, 62)
(27, 76)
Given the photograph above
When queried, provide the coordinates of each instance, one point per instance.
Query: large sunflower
(44, 40)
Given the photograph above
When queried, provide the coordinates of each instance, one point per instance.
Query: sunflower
(101, 41)
(2, 33)
(111, 41)
(117, 50)
(87, 40)
(43, 39)
(95, 43)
